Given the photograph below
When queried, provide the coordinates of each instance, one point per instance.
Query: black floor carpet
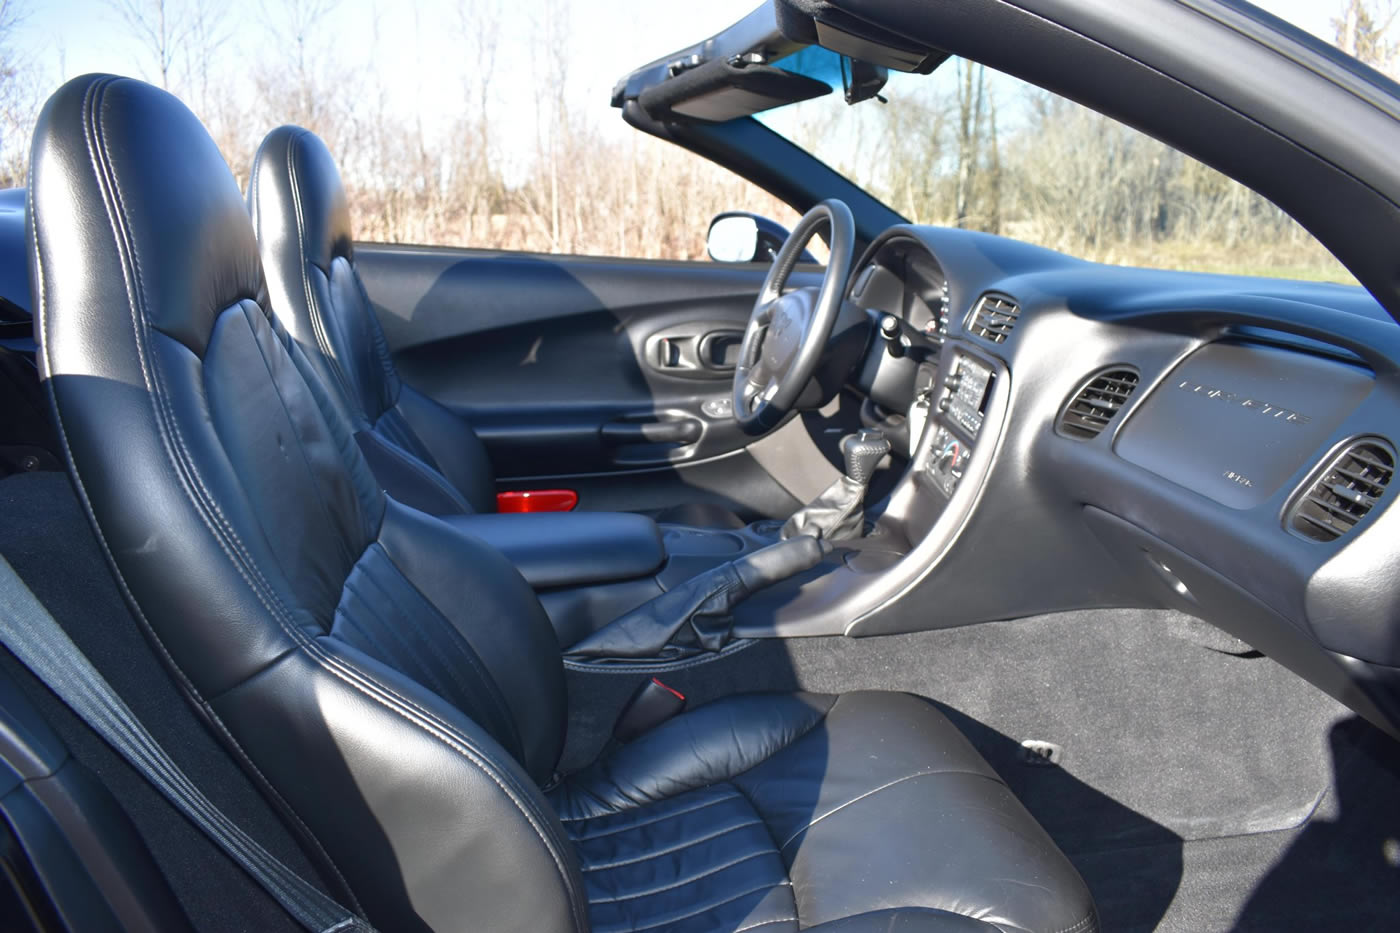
(1195, 786)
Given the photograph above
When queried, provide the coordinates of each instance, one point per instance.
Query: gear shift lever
(838, 514)
(863, 452)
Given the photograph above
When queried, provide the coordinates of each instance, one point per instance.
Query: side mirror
(738, 236)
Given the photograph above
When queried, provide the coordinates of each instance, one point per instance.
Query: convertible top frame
(1278, 110)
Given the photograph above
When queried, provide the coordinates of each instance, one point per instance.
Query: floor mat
(1341, 870)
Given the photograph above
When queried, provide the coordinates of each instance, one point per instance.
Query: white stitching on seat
(729, 900)
(317, 322)
(660, 852)
(207, 509)
(1087, 922)
(680, 884)
(629, 826)
(114, 203)
(765, 923)
(870, 793)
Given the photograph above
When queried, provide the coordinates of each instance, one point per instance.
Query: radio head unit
(968, 385)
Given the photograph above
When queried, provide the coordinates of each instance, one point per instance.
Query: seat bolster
(434, 825)
(495, 613)
(710, 744)
(451, 445)
(408, 479)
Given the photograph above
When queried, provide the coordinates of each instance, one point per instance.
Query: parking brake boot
(696, 616)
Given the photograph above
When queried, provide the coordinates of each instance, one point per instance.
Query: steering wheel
(787, 333)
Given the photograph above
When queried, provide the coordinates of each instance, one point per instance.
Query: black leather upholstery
(788, 812)
(571, 548)
(423, 454)
(393, 682)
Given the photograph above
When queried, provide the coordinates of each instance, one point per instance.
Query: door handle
(719, 349)
(680, 432)
(694, 351)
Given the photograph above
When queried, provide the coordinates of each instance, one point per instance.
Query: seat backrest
(302, 221)
(395, 686)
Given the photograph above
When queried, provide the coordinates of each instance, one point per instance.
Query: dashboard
(1086, 436)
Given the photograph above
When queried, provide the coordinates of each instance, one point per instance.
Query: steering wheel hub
(788, 331)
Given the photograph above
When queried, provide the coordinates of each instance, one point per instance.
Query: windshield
(970, 147)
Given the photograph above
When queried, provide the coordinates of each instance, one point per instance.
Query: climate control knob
(947, 458)
(950, 457)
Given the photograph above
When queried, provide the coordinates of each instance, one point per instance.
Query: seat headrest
(294, 170)
(107, 153)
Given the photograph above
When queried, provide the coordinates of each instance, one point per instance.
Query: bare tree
(18, 98)
(972, 85)
(1037, 166)
(301, 93)
(1363, 29)
(167, 30)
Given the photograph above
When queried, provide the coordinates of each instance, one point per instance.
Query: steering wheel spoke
(787, 333)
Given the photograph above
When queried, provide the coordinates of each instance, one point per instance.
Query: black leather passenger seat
(787, 812)
(423, 453)
(394, 684)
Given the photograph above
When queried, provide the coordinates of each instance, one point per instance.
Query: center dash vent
(1094, 405)
(1349, 488)
(993, 317)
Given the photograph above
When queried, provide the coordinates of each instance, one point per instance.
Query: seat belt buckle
(650, 706)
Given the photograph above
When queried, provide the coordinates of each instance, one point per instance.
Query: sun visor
(724, 89)
(819, 22)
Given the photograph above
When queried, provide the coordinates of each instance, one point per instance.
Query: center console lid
(557, 549)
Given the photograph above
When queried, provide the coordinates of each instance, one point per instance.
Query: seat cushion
(786, 812)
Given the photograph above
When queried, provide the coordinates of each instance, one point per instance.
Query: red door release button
(536, 500)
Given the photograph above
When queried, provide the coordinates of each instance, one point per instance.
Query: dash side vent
(1096, 403)
(993, 317)
(1346, 491)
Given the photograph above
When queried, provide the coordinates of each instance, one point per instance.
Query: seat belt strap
(37, 640)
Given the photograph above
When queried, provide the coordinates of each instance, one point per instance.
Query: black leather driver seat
(394, 685)
(424, 454)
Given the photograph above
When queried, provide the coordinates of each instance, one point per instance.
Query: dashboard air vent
(993, 317)
(1349, 488)
(1094, 406)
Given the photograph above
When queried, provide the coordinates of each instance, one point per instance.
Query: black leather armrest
(553, 549)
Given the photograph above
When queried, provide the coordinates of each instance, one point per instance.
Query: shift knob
(863, 451)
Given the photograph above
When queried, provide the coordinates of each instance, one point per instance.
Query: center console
(588, 568)
(961, 407)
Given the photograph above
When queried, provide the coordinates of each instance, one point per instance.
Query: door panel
(597, 370)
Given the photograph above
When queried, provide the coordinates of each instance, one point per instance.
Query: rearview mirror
(738, 236)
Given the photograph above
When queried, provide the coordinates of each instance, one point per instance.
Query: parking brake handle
(696, 615)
